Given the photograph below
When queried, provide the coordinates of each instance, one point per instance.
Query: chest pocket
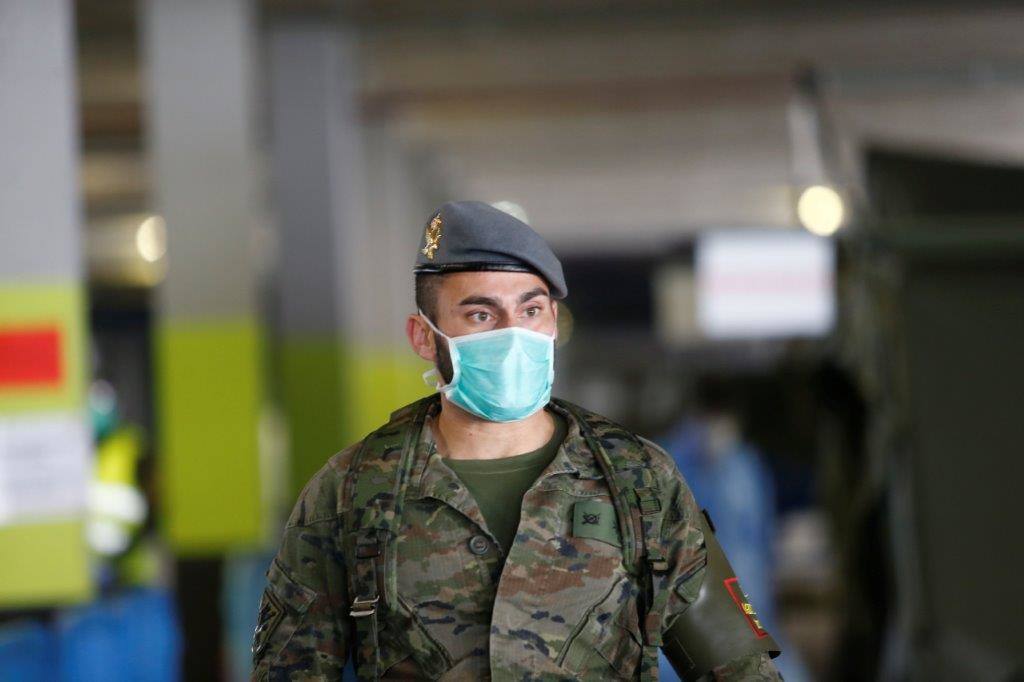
(608, 642)
(595, 520)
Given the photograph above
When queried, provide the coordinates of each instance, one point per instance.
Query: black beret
(472, 235)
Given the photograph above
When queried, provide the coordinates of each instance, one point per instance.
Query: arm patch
(743, 602)
(270, 615)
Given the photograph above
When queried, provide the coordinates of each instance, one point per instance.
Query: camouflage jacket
(563, 607)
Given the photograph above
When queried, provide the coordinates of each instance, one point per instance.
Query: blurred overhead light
(151, 239)
(820, 210)
(513, 209)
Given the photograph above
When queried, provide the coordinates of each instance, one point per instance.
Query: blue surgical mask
(501, 375)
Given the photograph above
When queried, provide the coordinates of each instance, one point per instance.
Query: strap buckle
(656, 561)
(648, 499)
(363, 607)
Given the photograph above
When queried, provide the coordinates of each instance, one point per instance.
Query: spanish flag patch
(743, 602)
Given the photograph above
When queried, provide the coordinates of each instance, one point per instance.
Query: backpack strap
(372, 497)
(624, 460)
(658, 590)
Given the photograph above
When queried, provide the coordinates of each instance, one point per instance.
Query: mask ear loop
(432, 373)
(430, 378)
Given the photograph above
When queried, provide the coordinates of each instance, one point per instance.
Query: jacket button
(478, 544)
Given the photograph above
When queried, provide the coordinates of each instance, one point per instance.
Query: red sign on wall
(30, 357)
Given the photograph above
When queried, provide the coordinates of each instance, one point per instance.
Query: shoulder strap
(372, 499)
(625, 462)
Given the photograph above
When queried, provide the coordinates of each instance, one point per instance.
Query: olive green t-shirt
(498, 485)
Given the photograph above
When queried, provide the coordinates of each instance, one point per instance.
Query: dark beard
(444, 360)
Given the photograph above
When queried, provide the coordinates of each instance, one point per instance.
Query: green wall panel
(44, 564)
(378, 381)
(336, 392)
(313, 394)
(209, 397)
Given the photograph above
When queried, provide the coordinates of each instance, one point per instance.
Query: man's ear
(421, 338)
(563, 329)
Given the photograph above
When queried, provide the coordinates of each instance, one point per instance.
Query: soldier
(490, 531)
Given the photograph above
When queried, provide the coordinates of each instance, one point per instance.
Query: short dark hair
(427, 285)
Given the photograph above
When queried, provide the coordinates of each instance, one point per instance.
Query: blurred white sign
(44, 465)
(764, 283)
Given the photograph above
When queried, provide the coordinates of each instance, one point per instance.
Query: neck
(461, 435)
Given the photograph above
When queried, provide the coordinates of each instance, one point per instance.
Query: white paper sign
(765, 283)
(44, 466)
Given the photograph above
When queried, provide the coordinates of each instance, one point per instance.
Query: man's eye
(481, 316)
(533, 312)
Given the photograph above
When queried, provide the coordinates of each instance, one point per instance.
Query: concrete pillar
(44, 437)
(315, 171)
(400, 197)
(206, 185)
(344, 256)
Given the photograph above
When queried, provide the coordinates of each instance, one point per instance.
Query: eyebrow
(493, 302)
(533, 293)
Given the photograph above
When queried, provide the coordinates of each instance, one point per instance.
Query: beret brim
(471, 236)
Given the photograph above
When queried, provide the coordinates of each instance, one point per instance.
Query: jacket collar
(432, 478)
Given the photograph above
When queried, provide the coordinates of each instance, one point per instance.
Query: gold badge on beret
(433, 237)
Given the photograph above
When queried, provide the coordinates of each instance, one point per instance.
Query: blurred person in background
(490, 531)
(731, 479)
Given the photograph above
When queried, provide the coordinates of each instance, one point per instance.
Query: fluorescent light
(820, 210)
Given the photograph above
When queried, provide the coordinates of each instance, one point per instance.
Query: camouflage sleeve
(688, 555)
(682, 536)
(754, 667)
(302, 627)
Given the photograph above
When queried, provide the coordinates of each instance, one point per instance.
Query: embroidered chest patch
(595, 520)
